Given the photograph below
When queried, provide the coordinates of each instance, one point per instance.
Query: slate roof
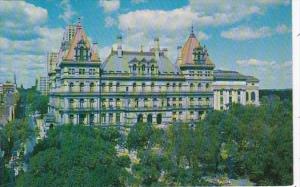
(225, 75)
(188, 49)
(113, 63)
(80, 35)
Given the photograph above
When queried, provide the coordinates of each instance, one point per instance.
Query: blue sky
(252, 37)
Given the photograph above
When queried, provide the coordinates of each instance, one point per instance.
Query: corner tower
(197, 68)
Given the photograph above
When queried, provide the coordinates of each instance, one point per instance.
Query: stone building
(139, 86)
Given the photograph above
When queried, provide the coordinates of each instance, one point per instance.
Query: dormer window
(81, 51)
(152, 69)
(134, 67)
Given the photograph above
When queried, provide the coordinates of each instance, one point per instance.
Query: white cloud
(246, 33)
(202, 36)
(138, 1)
(272, 74)
(169, 24)
(20, 14)
(26, 67)
(255, 62)
(48, 40)
(109, 5)
(110, 21)
(282, 29)
(252, 62)
(159, 20)
(68, 12)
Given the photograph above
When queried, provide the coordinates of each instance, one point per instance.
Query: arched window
(140, 118)
(136, 102)
(168, 85)
(118, 103)
(158, 118)
(102, 87)
(92, 87)
(92, 103)
(71, 103)
(199, 86)
(149, 118)
(134, 67)
(71, 86)
(174, 86)
(110, 86)
(117, 86)
(192, 87)
(146, 103)
(152, 69)
(143, 67)
(207, 85)
(111, 103)
(81, 54)
(152, 86)
(81, 103)
(252, 96)
(134, 87)
(81, 86)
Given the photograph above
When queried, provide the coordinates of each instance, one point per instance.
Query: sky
(251, 37)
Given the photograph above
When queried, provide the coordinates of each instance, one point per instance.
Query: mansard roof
(224, 75)
(80, 37)
(113, 63)
(188, 50)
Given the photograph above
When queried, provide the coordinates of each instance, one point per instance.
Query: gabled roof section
(115, 64)
(187, 51)
(80, 37)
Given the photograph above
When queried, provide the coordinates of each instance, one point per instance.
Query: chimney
(94, 52)
(156, 47)
(179, 55)
(119, 48)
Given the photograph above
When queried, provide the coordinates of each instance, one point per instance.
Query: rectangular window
(103, 118)
(118, 118)
(81, 71)
(110, 118)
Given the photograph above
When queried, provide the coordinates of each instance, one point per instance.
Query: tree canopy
(244, 143)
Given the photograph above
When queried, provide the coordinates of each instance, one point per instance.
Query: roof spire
(79, 23)
(192, 35)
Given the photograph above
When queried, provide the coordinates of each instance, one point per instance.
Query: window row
(82, 71)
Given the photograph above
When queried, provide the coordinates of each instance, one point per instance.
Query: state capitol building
(139, 86)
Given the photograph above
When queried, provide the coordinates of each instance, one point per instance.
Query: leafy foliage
(77, 156)
(13, 137)
(244, 142)
(31, 101)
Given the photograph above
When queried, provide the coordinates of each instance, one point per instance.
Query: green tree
(77, 156)
(13, 138)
